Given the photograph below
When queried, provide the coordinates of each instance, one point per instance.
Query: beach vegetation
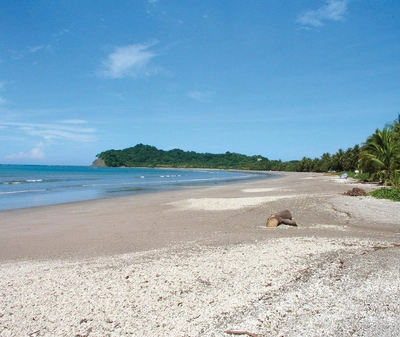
(378, 159)
(149, 156)
(387, 193)
(342, 160)
(355, 175)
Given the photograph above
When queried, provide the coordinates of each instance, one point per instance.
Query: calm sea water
(24, 186)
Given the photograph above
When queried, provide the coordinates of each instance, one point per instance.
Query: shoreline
(95, 188)
(152, 220)
(201, 262)
(24, 230)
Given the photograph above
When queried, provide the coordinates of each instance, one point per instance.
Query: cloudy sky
(281, 79)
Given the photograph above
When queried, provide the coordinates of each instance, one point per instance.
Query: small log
(282, 217)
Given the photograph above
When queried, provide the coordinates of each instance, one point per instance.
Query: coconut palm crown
(380, 156)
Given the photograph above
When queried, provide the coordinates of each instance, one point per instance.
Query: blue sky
(281, 79)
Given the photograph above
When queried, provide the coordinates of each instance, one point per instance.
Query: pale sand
(200, 262)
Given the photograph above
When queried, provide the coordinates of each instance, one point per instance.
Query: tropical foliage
(379, 157)
(149, 156)
(340, 161)
(387, 193)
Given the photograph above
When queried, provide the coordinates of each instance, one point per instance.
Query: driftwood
(282, 217)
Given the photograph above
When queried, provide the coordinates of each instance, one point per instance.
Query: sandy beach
(201, 262)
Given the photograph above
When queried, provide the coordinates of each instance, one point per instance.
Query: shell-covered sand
(205, 264)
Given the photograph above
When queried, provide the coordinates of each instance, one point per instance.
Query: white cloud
(201, 96)
(73, 121)
(54, 134)
(332, 10)
(35, 49)
(129, 61)
(38, 48)
(67, 130)
(61, 33)
(34, 153)
(116, 95)
(2, 100)
(16, 55)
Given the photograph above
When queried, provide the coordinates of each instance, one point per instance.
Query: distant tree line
(340, 161)
(379, 157)
(149, 156)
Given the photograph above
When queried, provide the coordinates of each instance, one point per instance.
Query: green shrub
(359, 176)
(387, 193)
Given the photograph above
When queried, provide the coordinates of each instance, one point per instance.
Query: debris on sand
(356, 192)
(282, 217)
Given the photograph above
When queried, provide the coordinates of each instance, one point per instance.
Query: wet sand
(200, 262)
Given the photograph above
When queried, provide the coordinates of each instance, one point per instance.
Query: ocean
(23, 186)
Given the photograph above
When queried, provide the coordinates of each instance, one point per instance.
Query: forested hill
(149, 156)
(378, 157)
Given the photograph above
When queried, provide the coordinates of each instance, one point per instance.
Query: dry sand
(200, 262)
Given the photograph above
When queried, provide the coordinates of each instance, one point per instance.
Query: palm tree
(352, 156)
(326, 162)
(305, 165)
(338, 160)
(395, 127)
(380, 155)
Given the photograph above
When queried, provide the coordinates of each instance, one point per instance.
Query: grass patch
(387, 193)
(359, 176)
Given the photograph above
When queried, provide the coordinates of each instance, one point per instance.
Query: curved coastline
(33, 186)
(201, 262)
